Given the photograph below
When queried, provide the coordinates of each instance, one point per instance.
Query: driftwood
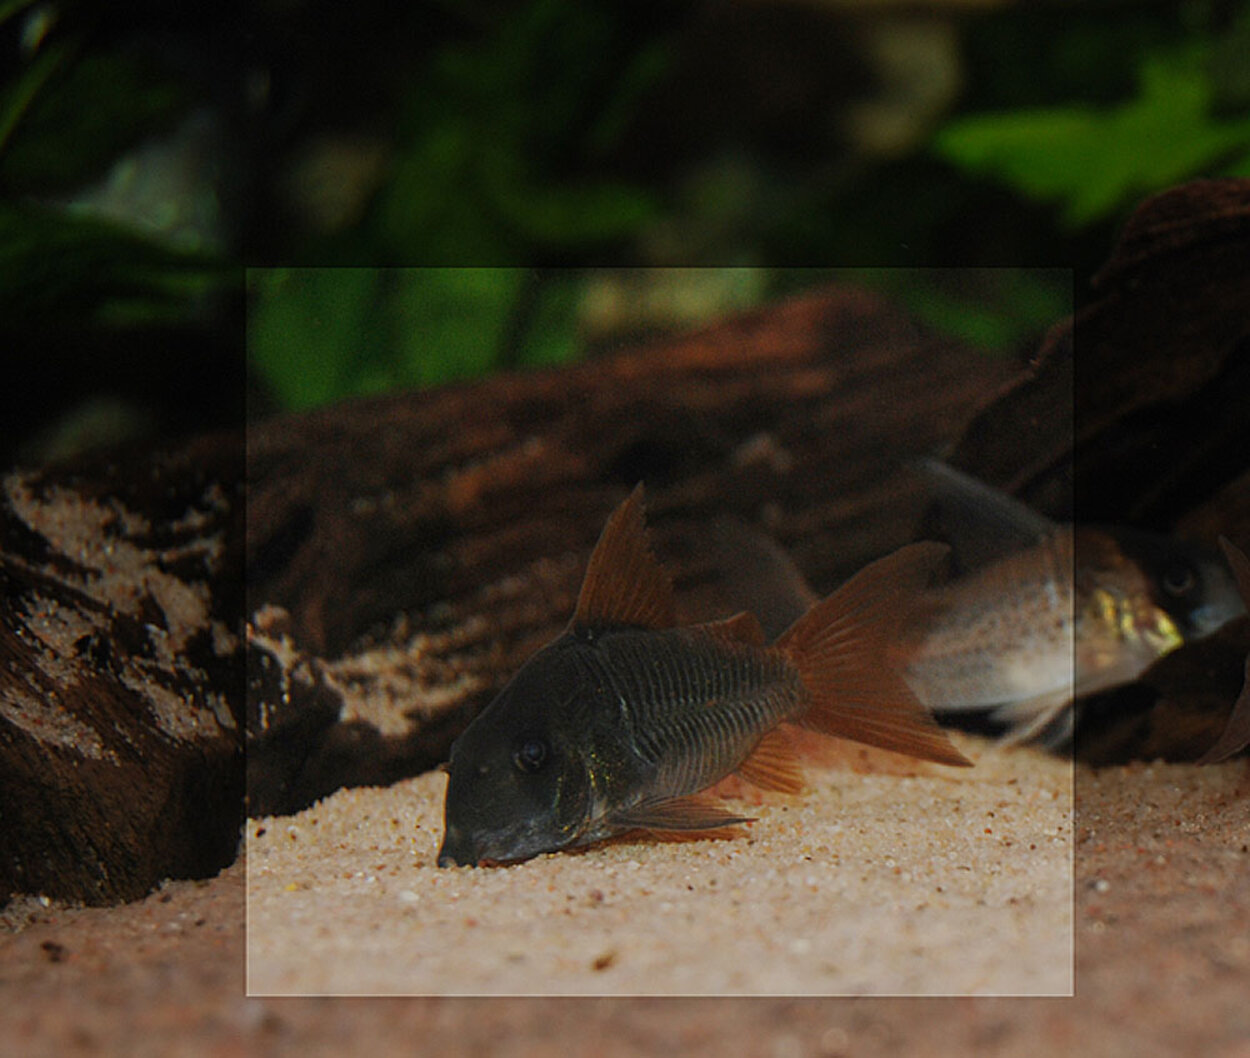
(121, 694)
(1155, 372)
(1163, 436)
(404, 555)
(469, 511)
(411, 552)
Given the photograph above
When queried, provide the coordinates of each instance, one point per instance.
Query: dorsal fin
(625, 583)
(981, 523)
(755, 573)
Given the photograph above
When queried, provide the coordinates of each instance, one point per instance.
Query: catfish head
(518, 779)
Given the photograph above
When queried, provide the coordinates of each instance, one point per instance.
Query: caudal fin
(841, 649)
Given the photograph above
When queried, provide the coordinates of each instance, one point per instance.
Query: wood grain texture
(121, 723)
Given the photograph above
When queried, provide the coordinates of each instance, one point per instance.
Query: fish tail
(842, 650)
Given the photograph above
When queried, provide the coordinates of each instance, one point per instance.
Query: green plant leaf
(566, 213)
(453, 322)
(62, 270)
(1093, 160)
(551, 332)
(317, 335)
(307, 328)
(65, 120)
(17, 98)
(501, 140)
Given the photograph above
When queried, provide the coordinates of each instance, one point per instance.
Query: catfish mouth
(460, 850)
(457, 850)
(449, 860)
(490, 861)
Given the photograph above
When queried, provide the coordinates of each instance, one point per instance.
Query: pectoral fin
(676, 813)
(1042, 716)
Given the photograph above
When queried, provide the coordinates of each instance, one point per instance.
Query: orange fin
(773, 764)
(742, 627)
(841, 649)
(676, 813)
(625, 583)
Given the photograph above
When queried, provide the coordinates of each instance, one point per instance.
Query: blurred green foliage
(42, 111)
(66, 273)
(321, 334)
(115, 299)
(1094, 160)
(498, 141)
(999, 310)
(67, 114)
(570, 134)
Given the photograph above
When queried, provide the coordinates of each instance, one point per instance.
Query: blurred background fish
(1035, 617)
(1077, 611)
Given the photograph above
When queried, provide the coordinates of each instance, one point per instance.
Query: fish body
(1080, 611)
(624, 721)
(1002, 635)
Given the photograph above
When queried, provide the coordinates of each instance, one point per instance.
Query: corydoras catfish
(625, 721)
(1079, 611)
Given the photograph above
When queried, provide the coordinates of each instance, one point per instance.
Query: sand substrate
(886, 876)
(1161, 901)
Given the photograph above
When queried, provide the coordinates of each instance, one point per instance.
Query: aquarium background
(195, 207)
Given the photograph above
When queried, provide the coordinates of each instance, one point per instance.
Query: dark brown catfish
(625, 721)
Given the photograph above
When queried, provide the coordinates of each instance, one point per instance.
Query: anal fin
(773, 764)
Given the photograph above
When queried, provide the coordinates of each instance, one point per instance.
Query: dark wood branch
(1144, 393)
(418, 548)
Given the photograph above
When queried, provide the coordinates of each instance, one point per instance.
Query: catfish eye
(530, 755)
(1178, 580)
